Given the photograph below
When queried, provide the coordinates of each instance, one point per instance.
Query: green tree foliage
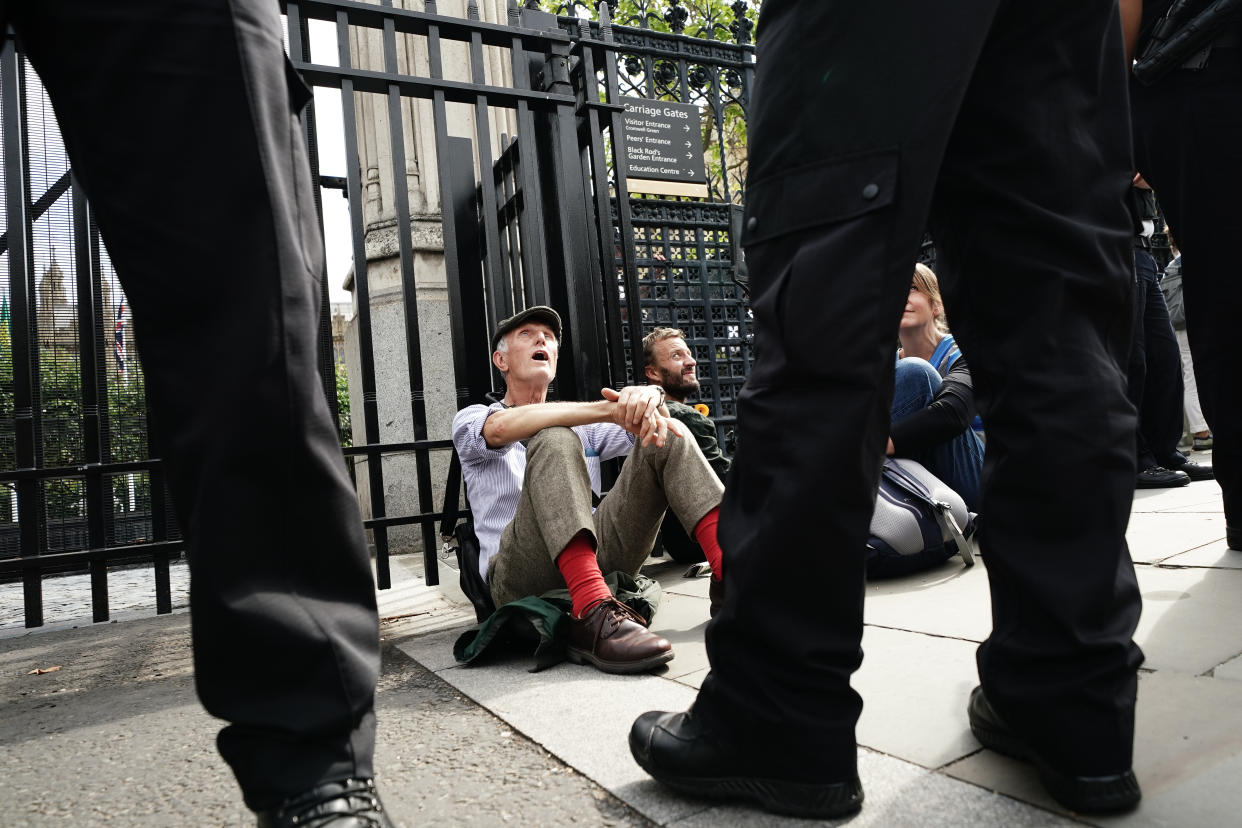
(127, 437)
(61, 424)
(344, 423)
(710, 19)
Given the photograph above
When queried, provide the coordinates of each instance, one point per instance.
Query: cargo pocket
(843, 188)
(307, 220)
(818, 241)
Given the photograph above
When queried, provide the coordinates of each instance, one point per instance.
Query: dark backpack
(461, 538)
(918, 522)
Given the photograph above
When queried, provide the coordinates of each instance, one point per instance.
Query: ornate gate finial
(741, 25)
(675, 17)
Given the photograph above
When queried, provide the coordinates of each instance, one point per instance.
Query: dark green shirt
(704, 431)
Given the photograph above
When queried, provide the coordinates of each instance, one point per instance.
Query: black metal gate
(615, 258)
(540, 215)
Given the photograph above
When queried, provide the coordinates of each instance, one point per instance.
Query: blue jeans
(957, 462)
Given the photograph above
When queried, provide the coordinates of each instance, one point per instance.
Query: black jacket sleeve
(948, 415)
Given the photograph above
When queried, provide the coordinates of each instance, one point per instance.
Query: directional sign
(662, 142)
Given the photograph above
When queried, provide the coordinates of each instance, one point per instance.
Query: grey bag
(918, 522)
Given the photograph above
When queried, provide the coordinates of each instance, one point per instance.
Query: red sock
(580, 569)
(705, 534)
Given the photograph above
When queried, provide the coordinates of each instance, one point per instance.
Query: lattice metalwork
(683, 252)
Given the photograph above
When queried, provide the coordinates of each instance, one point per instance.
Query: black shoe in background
(690, 756)
(1082, 794)
(1233, 537)
(1158, 477)
(346, 803)
(1193, 470)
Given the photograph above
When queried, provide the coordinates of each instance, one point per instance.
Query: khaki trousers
(556, 505)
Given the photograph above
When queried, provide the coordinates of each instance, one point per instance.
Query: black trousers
(1188, 145)
(181, 122)
(1007, 123)
(1155, 371)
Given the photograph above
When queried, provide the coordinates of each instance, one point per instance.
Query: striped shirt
(493, 476)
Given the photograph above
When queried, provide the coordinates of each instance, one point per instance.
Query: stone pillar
(421, 180)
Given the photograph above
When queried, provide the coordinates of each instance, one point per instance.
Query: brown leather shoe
(715, 594)
(616, 640)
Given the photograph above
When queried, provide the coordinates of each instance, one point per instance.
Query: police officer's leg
(1034, 247)
(181, 123)
(853, 106)
(1160, 414)
(1188, 137)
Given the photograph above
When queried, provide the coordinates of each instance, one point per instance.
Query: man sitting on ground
(671, 365)
(530, 468)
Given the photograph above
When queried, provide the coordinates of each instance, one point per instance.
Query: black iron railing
(541, 214)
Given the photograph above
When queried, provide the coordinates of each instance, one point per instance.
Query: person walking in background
(204, 201)
(1154, 376)
(1006, 123)
(1200, 432)
(933, 401)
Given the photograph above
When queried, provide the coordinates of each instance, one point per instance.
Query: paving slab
(1231, 670)
(1192, 618)
(1003, 775)
(583, 717)
(682, 620)
(914, 688)
(1199, 496)
(435, 650)
(1187, 755)
(1214, 555)
(1159, 536)
(1188, 731)
(694, 679)
(1213, 506)
(950, 601)
(901, 795)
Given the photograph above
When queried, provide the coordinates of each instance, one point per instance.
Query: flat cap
(538, 313)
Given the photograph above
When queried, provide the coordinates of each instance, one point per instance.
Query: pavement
(116, 735)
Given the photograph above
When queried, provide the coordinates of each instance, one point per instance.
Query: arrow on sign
(686, 127)
(689, 155)
(687, 145)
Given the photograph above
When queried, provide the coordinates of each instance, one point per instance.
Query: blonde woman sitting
(933, 398)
